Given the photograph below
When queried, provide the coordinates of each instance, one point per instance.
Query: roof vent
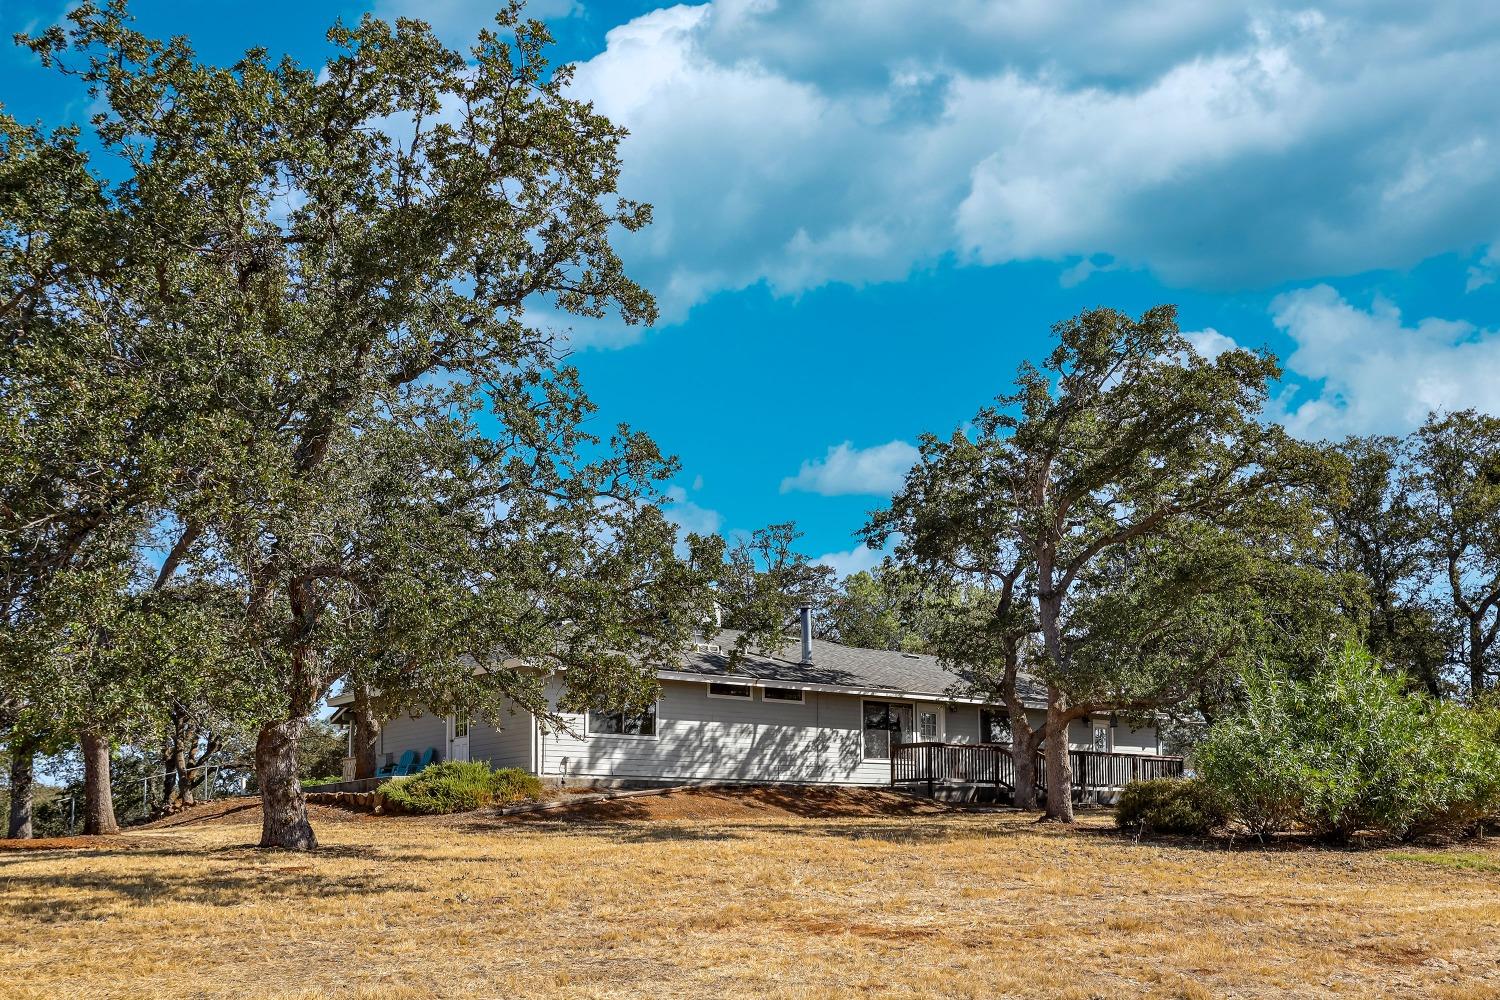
(804, 614)
(912, 656)
(707, 647)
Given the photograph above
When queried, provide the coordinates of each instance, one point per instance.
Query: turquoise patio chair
(401, 768)
(428, 756)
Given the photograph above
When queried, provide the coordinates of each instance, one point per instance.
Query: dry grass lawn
(710, 894)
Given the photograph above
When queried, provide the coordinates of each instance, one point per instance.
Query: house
(831, 715)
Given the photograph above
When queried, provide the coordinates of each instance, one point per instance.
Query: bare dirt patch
(757, 802)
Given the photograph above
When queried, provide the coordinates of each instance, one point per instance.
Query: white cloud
(689, 516)
(856, 559)
(849, 470)
(1375, 373)
(1210, 342)
(801, 144)
(1485, 270)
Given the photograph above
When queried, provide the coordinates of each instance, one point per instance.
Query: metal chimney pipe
(804, 612)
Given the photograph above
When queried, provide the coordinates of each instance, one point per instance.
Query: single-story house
(830, 715)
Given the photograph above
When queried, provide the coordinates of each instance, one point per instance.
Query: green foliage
(887, 608)
(320, 751)
(1348, 749)
(1457, 475)
(1169, 805)
(460, 786)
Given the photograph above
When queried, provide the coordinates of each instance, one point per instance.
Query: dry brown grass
(749, 896)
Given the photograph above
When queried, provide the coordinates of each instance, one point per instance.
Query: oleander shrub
(1351, 749)
(1169, 805)
(459, 786)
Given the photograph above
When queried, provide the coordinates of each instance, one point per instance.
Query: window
(994, 725)
(460, 727)
(623, 723)
(1101, 737)
(791, 695)
(716, 690)
(927, 725)
(885, 724)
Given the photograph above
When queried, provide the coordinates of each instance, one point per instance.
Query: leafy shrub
(1351, 749)
(459, 786)
(1169, 805)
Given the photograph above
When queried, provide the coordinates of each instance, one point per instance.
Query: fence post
(931, 767)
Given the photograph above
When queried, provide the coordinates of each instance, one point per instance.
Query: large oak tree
(1125, 439)
(400, 484)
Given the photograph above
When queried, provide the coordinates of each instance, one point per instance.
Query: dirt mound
(757, 802)
(245, 811)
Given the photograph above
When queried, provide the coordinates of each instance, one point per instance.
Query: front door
(458, 737)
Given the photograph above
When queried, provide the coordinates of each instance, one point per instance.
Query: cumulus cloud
(800, 144)
(1210, 342)
(1371, 371)
(849, 470)
(853, 561)
(689, 516)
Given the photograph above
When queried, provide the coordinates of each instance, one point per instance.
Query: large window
(623, 723)
(994, 725)
(886, 723)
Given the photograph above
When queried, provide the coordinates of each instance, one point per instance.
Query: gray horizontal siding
(703, 738)
(405, 733)
(506, 745)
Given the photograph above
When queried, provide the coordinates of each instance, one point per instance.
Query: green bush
(459, 786)
(1351, 749)
(1169, 805)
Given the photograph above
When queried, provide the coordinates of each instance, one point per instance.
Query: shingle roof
(844, 666)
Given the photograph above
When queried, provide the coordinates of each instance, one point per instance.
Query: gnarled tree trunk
(22, 758)
(1023, 744)
(283, 807)
(1059, 765)
(98, 798)
(366, 733)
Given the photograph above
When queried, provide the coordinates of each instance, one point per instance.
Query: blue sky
(868, 214)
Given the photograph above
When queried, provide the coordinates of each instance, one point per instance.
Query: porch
(968, 771)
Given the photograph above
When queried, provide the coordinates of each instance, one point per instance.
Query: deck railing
(929, 765)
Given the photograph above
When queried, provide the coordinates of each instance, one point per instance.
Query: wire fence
(217, 779)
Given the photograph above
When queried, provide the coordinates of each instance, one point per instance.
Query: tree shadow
(91, 895)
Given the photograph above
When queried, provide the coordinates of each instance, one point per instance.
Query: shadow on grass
(97, 894)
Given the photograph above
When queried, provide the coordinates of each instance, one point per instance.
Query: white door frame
(458, 745)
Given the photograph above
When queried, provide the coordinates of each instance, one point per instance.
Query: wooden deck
(931, 768)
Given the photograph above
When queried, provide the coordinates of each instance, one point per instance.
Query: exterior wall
(720, 739)
(405, 733)
(716, 739)
(509, 746)
(704, 738)
(1125, 739)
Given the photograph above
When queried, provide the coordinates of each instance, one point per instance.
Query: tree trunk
(22, 757)
(1059, 765)
(1476, 657)
(1025, 758)
(283, 808)
(168, 773)
(98, 798)
(184, 773)
(1023, 752)
(366, 733)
